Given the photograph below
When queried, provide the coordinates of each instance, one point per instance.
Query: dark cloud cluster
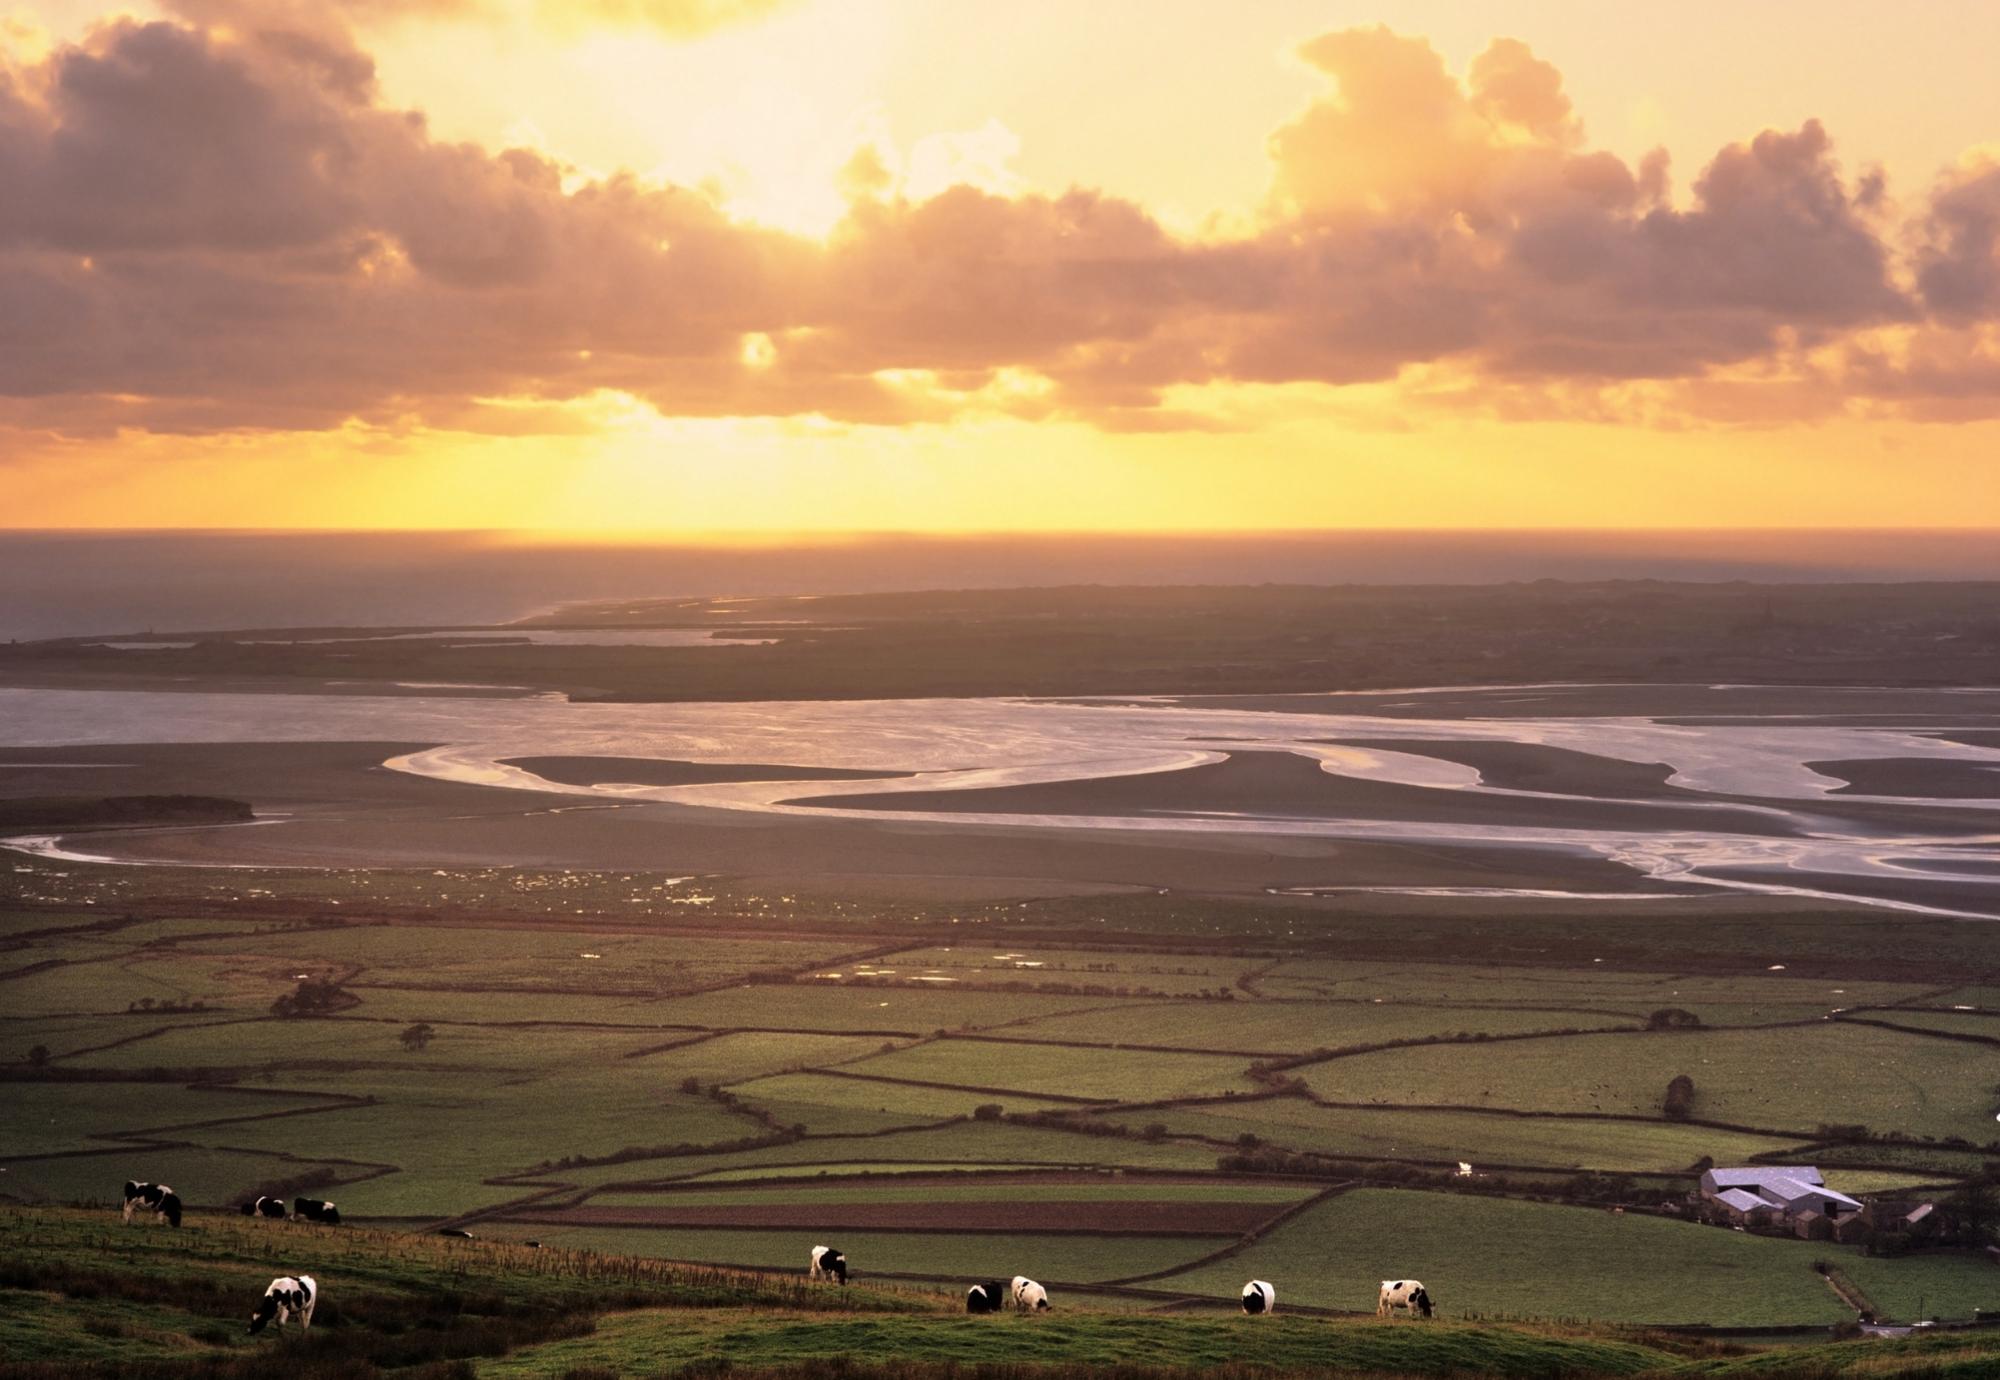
(211, 228)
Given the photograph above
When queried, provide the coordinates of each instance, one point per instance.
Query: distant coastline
(87, 583)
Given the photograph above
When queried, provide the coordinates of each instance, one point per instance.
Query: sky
(717, 267)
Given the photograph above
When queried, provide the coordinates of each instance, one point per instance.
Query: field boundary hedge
(1247, 1240)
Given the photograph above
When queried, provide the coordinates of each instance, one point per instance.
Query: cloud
(1958, 265)
(221, 225)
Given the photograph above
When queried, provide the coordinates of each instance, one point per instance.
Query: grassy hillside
(83, 1296)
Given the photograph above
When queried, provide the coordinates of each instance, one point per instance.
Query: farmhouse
(1793, 1194)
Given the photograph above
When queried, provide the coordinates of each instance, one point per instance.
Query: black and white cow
(264, 1207)
(288, 1297)
(316, 1210)
(1402, 1296)
(827, 1263)
(989, 1297)
(163, 1201)
(1028, 1296)
(1260, 1297)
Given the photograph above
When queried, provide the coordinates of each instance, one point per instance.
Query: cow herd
(293, 1296)
(1260, 1296)
(289, 1296)
(302, 1210)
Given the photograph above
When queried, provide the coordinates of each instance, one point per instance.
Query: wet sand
(1288, 785)
(342, 809)
(1913, 778)
(651, 771)
(1537, 767)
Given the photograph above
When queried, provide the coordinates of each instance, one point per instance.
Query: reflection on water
(1718, 741)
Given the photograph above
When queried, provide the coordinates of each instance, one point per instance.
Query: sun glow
(780, 264)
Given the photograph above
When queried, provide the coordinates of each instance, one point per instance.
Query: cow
(286, 1298)
(1259, 1297)
(827, 1263)
(1402, 1296)
(1028, 1296)
(164, 1202)
(264, 1207)
(316, 1210)
(989, 1297)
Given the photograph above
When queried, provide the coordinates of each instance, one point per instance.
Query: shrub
(987, 1111)
(1679, 1101)
(1673, 1018)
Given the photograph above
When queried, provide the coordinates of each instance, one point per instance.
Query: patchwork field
(1171, 1091)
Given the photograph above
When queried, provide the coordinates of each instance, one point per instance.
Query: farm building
(1794, 1194)
(1888, 1215)
(1741, 1205)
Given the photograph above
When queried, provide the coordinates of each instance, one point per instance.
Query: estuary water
(1744, 790)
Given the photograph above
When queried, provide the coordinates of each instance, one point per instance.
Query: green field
(968, 1142)
(1451, 1136)
(515, 959)
(1482, 1257)
(1124, 971)
(43, 1118)
(1094, 1074)
(1885, 1079)
(833, 1006)
(1586, 985)
(828, 1103)
(1297, 1026)
(987, 1190)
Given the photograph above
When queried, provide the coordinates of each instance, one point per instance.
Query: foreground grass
(81, 1289)
(650, 1343)
(82, 1296)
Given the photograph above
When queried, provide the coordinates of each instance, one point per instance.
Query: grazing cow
(989, 1297)
(827, 1263)
(316, 1210)
(287, 1298)
(1028, 1295)
(1402, 1296)
(264, 1207)
(1259, 1297)
(164, 1202)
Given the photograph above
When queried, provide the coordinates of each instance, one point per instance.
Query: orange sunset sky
(693, 266)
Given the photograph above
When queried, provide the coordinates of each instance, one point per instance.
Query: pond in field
(1887, 796)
